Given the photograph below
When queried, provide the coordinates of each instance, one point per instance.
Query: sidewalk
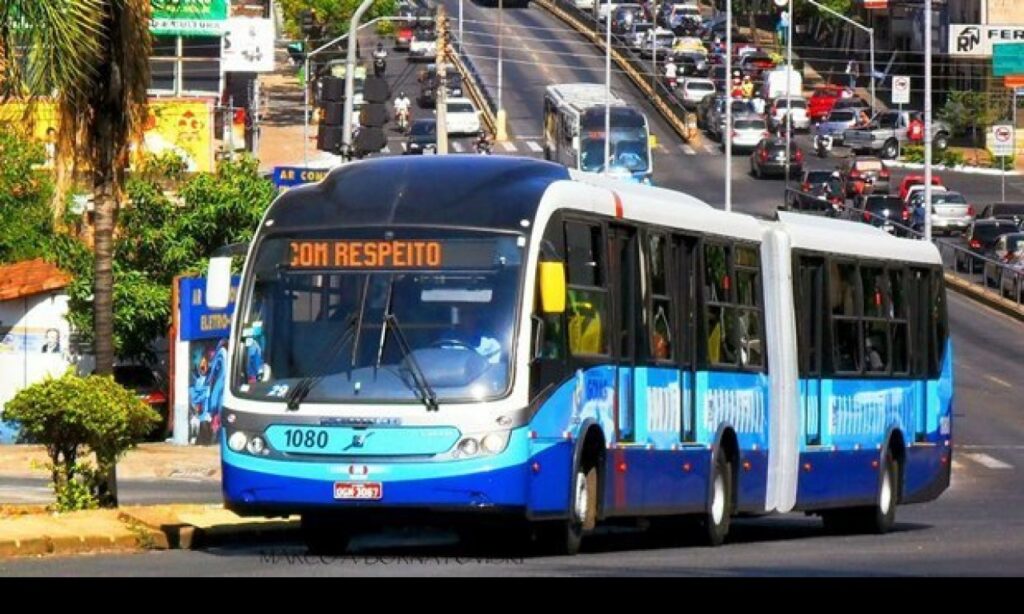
(150, 460)
(27, 531)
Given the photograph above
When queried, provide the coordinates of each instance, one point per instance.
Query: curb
(177, 533)
(968, 170)
(970, 290)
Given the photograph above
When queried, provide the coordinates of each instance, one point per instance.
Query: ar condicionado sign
(366, 254)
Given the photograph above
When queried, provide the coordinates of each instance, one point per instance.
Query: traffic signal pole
(350, 75)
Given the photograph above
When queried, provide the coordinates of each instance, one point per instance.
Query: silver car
(836, 123)
(747, 131)
(716, 118)
(950, 211)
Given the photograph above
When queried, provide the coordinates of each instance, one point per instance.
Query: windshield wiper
(302, 389)
(426, 393)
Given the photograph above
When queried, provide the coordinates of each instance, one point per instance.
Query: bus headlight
(494, 443)
(256, 445)
(468, 447)
(237, 441)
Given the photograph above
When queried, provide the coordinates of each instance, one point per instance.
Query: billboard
(248, 45)
(974, 40)
(189, 17)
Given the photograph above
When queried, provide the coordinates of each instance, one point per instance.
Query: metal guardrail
(471, 82)
(999, 282)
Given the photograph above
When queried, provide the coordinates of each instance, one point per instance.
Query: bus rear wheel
(326, 535)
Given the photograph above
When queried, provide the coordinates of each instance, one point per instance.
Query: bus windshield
(628, 150)
(318, 303)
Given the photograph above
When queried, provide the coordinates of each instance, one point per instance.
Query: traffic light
(373, 117)
(330, 133)
(310, 24)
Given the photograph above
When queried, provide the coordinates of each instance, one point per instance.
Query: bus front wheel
(565, 537)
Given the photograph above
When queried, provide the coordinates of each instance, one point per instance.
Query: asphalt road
(975, 528)
(26, 491)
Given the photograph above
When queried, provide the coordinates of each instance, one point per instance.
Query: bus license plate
(360, 491)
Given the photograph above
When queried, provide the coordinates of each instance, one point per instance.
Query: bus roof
(826, 235)
(581, 96)
(496, 192)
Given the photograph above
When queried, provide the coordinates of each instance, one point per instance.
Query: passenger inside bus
(586, 334)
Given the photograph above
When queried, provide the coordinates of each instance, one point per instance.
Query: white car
(692, 91)
(584, 5)
(423, 46)
(795, 107)
(747, 131)
(462, 117)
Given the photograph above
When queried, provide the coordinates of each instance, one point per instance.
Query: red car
(822, 101)
(403, 38)
(911, 180)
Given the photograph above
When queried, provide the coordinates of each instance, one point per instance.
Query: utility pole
(442, 86)
(350, 73)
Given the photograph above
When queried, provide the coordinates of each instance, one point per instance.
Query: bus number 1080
(305, 438)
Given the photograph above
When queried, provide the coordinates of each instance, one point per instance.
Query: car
(422, 137)
(795, 107)
(881, 211)
(403, 37)
(462, 116)
(423, 46)
(1004, 211)
(624, 16)
(754, 64)
(888, 132)
(813, 192)
(912, 180)
(853, 104)
(747, 131)
(769, 157)
(691, 64)
(822, 100)
(684, 18)
(715, 123)
(635, 38)
(428, 90)
(836, 123)
(693, 90)
(659, 42)
(151, 387)
(981, 240)
(1008, 250)
(864, 174)
(1011, 281)
(950, 210)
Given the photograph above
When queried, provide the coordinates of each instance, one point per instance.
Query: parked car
(769, 157)
(881, 211)
(795, 107)
(887, 133)
(981, 239)
(813, 192)
(950, 210)
(836, 123)
(747, 132)
(422, 137)
(822, 100)
(1004, 211)
(864, 174)
(912, 180)
(1011, 282)
(150, 386)
(462, 117)
(1008, 250)
(694, 89)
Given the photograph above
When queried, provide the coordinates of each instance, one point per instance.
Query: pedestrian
(852, 72)
(747, 88)
(915, 129)
(757, 104)
(782, 27)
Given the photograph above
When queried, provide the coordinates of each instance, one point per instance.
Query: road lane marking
(994, 379)
(509, 146)
(975, 446)
(534, 147)
(957, 466)
(688, 150)
(457, 146)
(987, 461)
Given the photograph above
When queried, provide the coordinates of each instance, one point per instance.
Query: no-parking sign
(1002, 140)
(900, 89)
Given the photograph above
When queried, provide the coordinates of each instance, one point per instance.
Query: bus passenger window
(717, 286)
(588, 299)
(721, 346)
(661, 307)
(876, 346)
(846, 327)
(750, 338)
(586, 322)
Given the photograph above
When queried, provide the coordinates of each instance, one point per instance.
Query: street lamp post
(928, 120)
(871, 42)
(608, 89)
(727, 133)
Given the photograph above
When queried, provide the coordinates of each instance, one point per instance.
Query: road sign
(1002, 140)
(1007, 59)
(900, 89)
(288, 176)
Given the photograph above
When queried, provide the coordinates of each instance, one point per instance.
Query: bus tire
(565, 537)
(325, 535)
(715, 521)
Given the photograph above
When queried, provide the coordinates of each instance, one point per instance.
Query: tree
(966, 110)
(334, 15)
(93, 55)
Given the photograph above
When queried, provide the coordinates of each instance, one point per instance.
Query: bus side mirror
(552, 287)
(218, 282)
(652, 141)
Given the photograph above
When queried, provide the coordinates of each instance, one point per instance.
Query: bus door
(626, 487)
(811, 310)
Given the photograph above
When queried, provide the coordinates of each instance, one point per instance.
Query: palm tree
(93, 57)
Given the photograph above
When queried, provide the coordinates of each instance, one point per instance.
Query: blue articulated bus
(505, 342)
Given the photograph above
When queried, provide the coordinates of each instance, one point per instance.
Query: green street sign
(189, 17)
(1007, 59)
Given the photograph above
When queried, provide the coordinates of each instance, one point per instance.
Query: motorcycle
(402, 119)
(483, 147)
(823, 145)
(379, 66)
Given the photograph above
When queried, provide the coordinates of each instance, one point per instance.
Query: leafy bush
(74, 416)
(949, 157)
